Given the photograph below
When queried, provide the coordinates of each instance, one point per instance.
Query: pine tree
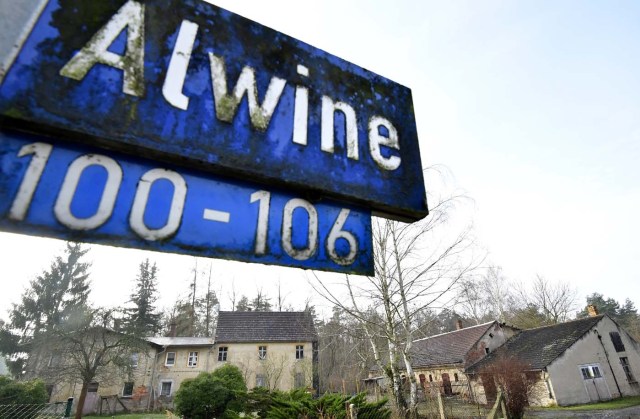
(143, 317)
(243, 304)
(52, 299)
(261, 302)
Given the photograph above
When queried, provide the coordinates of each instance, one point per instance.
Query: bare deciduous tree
(417, 266)
(556, 302)
(87, 349)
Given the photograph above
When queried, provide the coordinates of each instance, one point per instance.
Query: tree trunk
(81, 399)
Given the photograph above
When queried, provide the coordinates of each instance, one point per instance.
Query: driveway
(627, 412)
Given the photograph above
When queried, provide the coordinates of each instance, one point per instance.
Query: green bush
(300, 404)
(259, 401)
(22, 392)
(220, 394)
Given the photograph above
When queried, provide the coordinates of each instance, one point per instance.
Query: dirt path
(626, 413)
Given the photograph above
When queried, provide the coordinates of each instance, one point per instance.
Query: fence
(454, 401)
(36, 411)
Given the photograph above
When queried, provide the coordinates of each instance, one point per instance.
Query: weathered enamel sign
(188, 83)
(81, 193)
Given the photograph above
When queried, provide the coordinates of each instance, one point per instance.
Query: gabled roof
(447, 348)
(180, 341)
(258, 326)
(539, 347)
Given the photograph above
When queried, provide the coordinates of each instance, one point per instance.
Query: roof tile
(255, 326)
(539, 347)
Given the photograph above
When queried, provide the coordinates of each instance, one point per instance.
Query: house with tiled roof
(439, 361)
(277, 350)
(580, 361)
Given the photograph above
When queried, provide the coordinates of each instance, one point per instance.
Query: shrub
(259, 401)
(511, 376)
(22, 392)
(220, 394)
(299, 404)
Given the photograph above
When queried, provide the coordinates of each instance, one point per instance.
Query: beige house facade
(275, 350)
(176, 359)
(581, 361)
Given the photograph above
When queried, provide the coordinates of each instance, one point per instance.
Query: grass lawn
(611, 404)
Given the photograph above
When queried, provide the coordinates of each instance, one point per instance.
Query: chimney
(592, 310)
(459, 324)
(173, 329)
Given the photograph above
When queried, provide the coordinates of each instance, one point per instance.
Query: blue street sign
(192, 84)
(80, 193)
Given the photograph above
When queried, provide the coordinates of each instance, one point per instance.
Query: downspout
(153, 376)
(615, 380)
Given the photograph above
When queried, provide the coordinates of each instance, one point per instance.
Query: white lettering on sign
(227, 105)
(338, 233)
(303, 253)
(41, 153)
(214, 215)
(136, 219)
(131, 17)
(62, 209)
(390, 140)
(63, 212)
(177, 72)
(263, 220)
(329, 108)
(301, 110)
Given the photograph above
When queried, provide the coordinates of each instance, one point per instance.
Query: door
(490, 390)
(446, 385)
(595, 383)
(91, 401)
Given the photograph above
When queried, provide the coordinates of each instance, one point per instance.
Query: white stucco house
(580, 361)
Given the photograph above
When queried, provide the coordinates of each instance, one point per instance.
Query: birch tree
(417, 267)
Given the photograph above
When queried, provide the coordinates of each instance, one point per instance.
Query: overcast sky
(533, 106)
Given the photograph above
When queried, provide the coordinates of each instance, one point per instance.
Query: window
(54, 361)
(165, 388)
(298, 380)
(222, 353)
(596, 372)
(585, 373)
(93, 387)
(127, 391)
(171, 359)
(134, 360)
(590, 371)
(193, 359)
(260, 381)
(430, 378)
(262, 352)
(299, 351)
(617, 341)
(455, 376)
(486, 350)
(624, 361)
